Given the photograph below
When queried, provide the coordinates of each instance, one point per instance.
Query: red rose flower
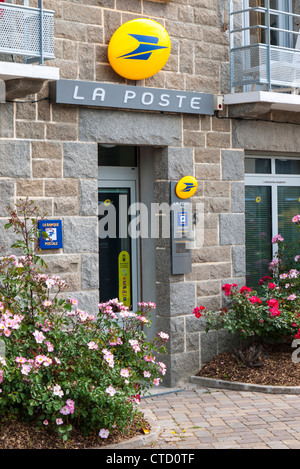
(264, 279)
(197, 310)
(255, 299)
(273, 303)
(275, 312)
(244, 288)
(227, 288)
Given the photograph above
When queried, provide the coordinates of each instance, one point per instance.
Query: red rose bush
(274, 312)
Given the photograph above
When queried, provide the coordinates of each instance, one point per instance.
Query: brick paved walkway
(220, 419)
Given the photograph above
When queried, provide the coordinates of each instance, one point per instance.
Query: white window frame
(286, 39)
(273, 180)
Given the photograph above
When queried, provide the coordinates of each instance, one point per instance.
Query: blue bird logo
(147, 45)
(189, 187)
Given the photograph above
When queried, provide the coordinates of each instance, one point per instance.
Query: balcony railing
(27, 32)
(264, 47)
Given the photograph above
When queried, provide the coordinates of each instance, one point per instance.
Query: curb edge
(137, 441)
(237, 386)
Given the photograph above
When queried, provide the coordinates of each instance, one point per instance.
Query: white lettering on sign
(181, 98)
(145, 99)
(75, 95)
(130, 97)
(195, 103)
(274, 182)
(99, 92)
(164, 101)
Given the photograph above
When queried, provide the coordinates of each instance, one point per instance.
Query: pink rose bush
(64, 367)
(271, 312)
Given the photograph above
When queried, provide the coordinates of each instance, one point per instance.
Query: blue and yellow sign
(51, 234)
(124, 278)
(139, 49)
(186, 187)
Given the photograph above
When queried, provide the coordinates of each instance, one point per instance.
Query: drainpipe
(2, 93)
(41, 32)
(268, 46)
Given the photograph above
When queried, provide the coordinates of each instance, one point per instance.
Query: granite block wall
(48, 153)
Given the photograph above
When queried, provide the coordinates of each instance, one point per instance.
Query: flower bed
(269, 315)
(15, 434)
(277, 368)
(64, 369)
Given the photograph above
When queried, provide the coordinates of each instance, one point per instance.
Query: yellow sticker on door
(124, 278)
(139, 49)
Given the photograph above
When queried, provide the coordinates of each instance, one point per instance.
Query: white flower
(124, 372)
(50, 282)
(39, 337)
(25, 369)
(110, 390)
(103, 433)
(57, 391)
(47, 361)
(65, 410)
(50, 347)
(82, 315)
(92, 345)
(163, 335)
(108, 357)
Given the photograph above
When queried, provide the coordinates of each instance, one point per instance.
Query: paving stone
(209, 425)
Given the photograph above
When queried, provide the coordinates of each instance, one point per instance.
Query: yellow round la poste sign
(186, 187)
(139, 49)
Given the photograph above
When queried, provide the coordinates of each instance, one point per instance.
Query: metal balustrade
(264, 47)
(27, 32)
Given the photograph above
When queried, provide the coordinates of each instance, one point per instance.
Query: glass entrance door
(118, 249)
(115, 249)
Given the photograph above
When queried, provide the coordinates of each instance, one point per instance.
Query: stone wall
(49, 154)
(83, 29)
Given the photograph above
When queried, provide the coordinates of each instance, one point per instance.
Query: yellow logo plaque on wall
(139, 49)
(186, 187)
(124, 278)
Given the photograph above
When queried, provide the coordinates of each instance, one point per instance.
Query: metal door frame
(125, 177)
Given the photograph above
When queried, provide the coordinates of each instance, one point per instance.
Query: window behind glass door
(272, 199)
(278, 19)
